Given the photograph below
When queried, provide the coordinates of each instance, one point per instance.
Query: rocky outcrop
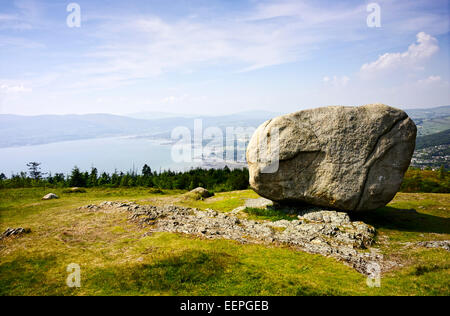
(315, 231)
(349, 158)
(444, 244)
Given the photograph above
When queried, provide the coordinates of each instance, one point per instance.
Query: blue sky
(218, 57)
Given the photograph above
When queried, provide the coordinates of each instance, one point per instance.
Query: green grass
(116, 259)
(223, 201)
(270, 214)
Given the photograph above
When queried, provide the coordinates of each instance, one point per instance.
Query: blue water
(106, 154)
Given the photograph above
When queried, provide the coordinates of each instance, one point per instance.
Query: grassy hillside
(431, 126)
(441, 138)
(116, 258)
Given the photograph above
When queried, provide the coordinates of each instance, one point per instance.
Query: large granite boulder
(349, 158)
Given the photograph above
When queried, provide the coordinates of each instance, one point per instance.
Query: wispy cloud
(430, 80)
(26, 16)
(133, 47)
(269, 34)
(141, 54)
(14, 89)
(336, 81)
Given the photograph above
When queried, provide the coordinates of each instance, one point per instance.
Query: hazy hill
(437, 112)
(155, 115)
(431, 120)
(17, 130)
(441, 138)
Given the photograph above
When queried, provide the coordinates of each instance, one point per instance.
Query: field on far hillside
(116, 259)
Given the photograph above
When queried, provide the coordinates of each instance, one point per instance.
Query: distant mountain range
(431, 113)
(17, 130)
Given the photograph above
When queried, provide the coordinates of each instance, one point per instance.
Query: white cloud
(336, 81)
(425, 47)
(184, 98)
(429, 80)
(11, 91)
(174, 99)
(14, 88)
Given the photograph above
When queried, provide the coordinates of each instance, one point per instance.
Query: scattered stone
(349, 158)
(14, 232)
(324, 232)
(91, 207)
(50, 196)
(444, 244)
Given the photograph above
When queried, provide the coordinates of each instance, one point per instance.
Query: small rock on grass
(14, 232)
(204, 193)
(50, 196)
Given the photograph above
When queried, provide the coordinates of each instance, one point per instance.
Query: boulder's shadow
(403, 220)
(387, 217)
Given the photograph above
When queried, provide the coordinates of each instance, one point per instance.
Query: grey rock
(348, 158)
(50, 196)
(202, 192)
(14, 232)
(444, 244)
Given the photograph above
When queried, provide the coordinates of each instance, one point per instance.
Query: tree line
(216, 180)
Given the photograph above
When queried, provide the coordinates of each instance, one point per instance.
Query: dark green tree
(34, 170)
(104, 179)
(77, 178)
(146, 171)
(93, 178)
